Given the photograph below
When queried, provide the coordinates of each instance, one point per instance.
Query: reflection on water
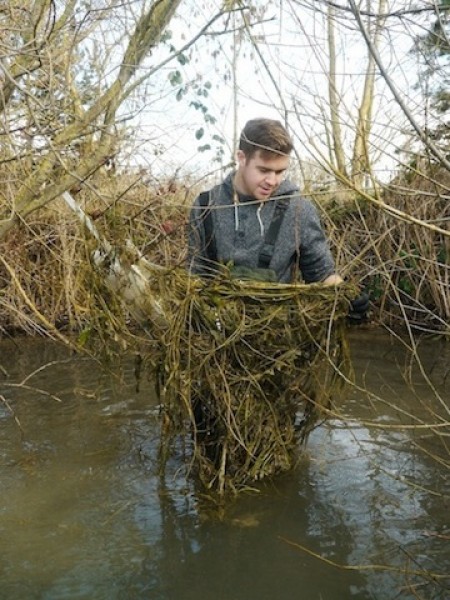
(85, 514)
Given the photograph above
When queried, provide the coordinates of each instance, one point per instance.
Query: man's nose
(271, 177)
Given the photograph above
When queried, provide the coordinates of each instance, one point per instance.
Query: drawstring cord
(236, 211)
(236, 214)
(261, 224)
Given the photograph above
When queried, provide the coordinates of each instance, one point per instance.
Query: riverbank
(48, 281)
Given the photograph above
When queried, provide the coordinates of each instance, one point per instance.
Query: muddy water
(84, 513)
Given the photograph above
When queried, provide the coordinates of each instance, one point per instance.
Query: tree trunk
(54, 173)
(338, 153)
(360, 165)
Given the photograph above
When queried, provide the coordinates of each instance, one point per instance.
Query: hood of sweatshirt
(285, 189)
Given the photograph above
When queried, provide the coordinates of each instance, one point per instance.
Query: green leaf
(166, 36)
(84, 336)
(175, 78)
(200, 133)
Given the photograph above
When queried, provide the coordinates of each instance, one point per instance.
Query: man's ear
(241, 158)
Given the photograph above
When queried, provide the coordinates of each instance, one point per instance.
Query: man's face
(260, 176)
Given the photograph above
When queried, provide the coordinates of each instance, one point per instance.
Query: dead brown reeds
(42, 266)
(398, 246)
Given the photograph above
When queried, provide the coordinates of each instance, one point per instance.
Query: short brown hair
(266, 135)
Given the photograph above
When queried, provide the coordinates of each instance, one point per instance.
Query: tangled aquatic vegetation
(246, 370)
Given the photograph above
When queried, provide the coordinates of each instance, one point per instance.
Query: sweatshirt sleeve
(198, 261)
(196, 240)
(316, 261)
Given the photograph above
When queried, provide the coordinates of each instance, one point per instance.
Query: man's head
(267, 136)
(263, 158)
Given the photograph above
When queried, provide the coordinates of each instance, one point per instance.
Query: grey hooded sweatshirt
(301, 249)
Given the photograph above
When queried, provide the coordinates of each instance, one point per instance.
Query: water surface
(85, 514)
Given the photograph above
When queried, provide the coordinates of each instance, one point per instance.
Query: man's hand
(358, 308)
(333, 279)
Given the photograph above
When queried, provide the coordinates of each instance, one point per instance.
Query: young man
(257, 220)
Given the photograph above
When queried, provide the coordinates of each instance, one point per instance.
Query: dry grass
(404, 265)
